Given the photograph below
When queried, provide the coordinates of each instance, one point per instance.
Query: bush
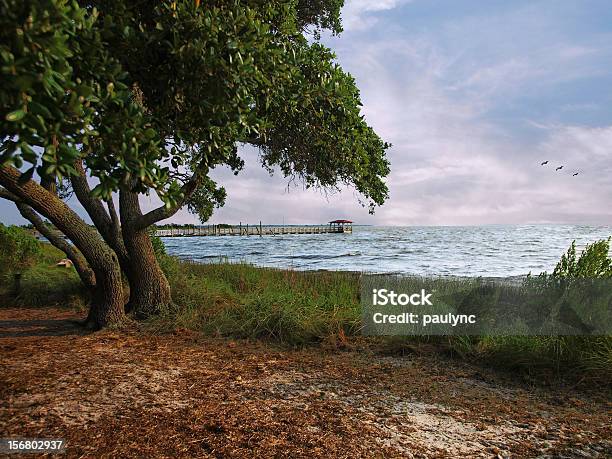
(589, 357)
(18, 249)
(42, 283)
(593, 262)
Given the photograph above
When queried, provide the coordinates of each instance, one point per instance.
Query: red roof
(341, 221)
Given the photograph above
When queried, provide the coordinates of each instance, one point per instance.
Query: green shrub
(594, 262)
(43, 284)
(587, 357)
(18, 249)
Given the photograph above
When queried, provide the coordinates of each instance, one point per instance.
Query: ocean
(488, 251)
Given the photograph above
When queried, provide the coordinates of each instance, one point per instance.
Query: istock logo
(383, 297)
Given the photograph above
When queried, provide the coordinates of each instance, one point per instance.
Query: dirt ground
(114, 394)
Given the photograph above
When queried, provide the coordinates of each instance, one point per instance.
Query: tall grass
(244, 301)
(588, 357)
(294, 307)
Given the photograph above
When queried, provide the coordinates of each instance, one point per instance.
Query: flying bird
(544, 163)
(575, 174)
(559, 168)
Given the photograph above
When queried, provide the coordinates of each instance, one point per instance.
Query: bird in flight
(544, 163)
(575, 174)
(559, 168)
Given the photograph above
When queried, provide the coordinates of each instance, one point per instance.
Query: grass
(306, 308)
(45, 284)
(585, 357)
(244, 301)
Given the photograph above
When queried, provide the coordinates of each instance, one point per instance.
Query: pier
(336, 226)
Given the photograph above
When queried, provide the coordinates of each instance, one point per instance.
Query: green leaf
(28, 154)
(150, 133)
(39, 109)
(16, 115)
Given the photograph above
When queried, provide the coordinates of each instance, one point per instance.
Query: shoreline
(512, 279)
(495, 252)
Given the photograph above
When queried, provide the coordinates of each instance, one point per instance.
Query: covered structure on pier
(341, 226)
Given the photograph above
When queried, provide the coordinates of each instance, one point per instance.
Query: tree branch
(105, 223)
(5, 194)
(55, 238)
(129, 208)
(87, 239)
(113, 215)
(94, 207)
(163, 212)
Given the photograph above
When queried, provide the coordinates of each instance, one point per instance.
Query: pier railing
(250, 230)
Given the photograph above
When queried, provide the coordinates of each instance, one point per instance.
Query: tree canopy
(153, 95)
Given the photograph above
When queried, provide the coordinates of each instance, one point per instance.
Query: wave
(477, 251)
(319, 256)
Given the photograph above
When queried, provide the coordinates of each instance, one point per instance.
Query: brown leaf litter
(133, 394)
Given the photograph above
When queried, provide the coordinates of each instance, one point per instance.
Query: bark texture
(107, 305)
(107, 223)
(149, 288)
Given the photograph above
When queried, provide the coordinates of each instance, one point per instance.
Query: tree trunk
(107, 307)
(149, 288)
(107, 223)
(107, 303)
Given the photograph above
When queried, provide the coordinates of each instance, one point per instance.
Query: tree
(149, 97)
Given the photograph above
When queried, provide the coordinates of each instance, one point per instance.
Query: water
(489, 251)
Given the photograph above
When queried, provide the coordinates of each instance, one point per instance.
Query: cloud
(358, 14)
(468, 126)
(583, 149)
(466, 146)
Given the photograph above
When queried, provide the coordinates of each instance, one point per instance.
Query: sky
(473, 96)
